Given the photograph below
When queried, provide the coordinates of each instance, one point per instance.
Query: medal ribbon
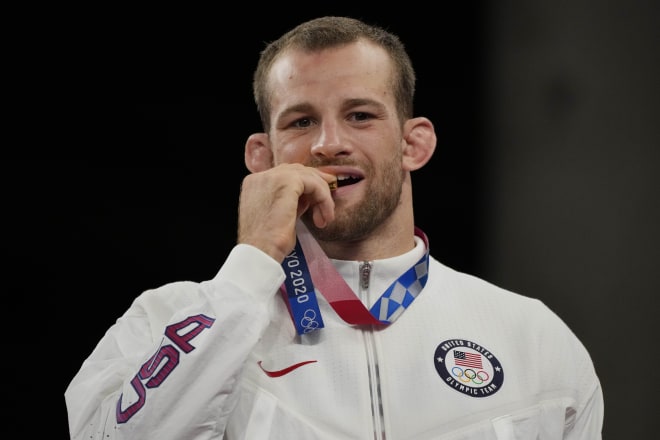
(299, 291)
(339, 295)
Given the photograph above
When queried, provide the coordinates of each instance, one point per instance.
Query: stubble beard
(382, 196)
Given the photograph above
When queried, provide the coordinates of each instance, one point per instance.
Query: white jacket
(467, 360)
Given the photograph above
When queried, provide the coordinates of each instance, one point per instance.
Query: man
(329, 319)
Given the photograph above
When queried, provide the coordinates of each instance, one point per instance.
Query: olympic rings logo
(308, 322)
(469, 375)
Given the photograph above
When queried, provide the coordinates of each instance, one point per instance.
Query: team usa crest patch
(469, 368)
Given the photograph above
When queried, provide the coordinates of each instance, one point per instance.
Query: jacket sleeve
(568, 365)
(168, 368)
(571, 364)
(589, 418)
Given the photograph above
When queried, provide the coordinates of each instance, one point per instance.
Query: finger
(318, 197)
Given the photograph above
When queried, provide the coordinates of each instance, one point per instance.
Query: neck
(384, 242)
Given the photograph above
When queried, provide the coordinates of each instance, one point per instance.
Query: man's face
(335, 110)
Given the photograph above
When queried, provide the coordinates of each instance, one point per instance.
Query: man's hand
(271, 202)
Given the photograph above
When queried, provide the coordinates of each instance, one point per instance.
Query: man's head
(327, 32)
(336, 95)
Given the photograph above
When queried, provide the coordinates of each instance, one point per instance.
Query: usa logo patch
(468, 367)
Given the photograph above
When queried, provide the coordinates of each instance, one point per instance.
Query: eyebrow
(298, 108)
(356, 102)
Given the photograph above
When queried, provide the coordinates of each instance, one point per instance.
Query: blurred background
(124, 170)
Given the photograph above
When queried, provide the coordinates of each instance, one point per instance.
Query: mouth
(345, 180)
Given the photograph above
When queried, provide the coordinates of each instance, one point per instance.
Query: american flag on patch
(467, 359)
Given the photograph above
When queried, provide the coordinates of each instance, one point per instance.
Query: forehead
(356, 66)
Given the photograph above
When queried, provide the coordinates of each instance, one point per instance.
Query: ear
(258, 155)
(420, 140)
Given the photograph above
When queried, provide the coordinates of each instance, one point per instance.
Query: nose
(330, 142)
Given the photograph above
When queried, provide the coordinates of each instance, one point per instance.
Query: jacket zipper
(372, 360)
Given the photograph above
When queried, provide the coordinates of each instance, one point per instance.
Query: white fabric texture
(203, 378)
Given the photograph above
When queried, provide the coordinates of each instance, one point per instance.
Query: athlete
(330, 319)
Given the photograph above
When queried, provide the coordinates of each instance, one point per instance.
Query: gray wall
(571, 177)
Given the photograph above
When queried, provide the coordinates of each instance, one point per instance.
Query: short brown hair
(325, 32)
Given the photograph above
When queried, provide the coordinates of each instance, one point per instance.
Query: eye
(361, 116)
(302, 123)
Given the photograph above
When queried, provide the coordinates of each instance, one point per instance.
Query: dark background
(124, 169)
